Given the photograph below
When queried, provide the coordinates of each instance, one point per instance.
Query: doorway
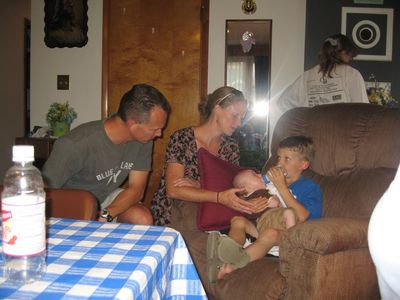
(27, 75)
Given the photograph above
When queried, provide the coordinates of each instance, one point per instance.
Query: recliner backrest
(357, 152)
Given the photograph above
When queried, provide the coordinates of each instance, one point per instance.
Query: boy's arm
(279, 180)
(292, 202)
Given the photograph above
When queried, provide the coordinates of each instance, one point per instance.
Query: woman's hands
(229, 197)
(253, 206)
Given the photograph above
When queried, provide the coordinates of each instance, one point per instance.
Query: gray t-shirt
(87, 159)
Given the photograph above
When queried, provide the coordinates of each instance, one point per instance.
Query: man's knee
(137, 214)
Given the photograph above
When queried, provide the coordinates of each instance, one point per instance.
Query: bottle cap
(23, 153)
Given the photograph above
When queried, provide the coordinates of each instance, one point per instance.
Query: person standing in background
(333, 80)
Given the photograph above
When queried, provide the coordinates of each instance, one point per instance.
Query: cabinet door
(156, 42)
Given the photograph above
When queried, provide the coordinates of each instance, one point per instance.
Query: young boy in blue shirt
(300, 194)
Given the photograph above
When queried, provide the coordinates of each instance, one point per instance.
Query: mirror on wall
(247, 68)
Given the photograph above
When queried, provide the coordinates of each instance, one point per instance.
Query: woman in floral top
(223, 111)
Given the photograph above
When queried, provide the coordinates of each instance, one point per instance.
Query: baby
(257, 185)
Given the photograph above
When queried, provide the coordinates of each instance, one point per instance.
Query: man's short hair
(301, 144)
(138, 102)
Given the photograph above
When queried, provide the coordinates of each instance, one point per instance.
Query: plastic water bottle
(265, 176)
(23, 219)
(271, 187)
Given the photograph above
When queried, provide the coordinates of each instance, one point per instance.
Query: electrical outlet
(62, 82)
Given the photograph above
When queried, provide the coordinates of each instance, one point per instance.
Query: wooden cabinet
(43, 147)
(165, 48)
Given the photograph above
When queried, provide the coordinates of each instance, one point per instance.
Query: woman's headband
(219, 101)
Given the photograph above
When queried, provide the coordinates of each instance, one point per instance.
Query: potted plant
(59, 117)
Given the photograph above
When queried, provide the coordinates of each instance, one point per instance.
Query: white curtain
(241, 75)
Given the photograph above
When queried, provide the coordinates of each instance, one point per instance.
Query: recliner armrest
(327, 252)
(327, 235)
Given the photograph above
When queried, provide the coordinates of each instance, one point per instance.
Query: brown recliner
(357, 154)
(70, 204)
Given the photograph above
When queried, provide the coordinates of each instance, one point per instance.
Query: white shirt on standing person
(333, 80)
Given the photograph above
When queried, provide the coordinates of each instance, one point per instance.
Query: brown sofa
(357, 154)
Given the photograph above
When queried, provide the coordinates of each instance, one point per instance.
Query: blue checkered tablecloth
(112, 261)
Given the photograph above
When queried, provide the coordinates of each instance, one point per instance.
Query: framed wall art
(371, 30)
(65, 23)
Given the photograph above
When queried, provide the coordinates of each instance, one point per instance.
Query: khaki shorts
(272, 218)
(110, 198)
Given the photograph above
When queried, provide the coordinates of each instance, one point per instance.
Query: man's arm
(131, 195)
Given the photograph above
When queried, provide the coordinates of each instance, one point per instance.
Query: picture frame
(66, 23)
(371, 30)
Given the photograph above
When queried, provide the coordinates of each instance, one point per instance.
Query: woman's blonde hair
(223, 96)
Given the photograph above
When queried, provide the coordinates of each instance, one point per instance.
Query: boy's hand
(277, 177)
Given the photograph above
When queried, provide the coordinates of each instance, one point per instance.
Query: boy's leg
(289, 217)
(240, 226)
(214, 264)
(266, 240)
(234, 256)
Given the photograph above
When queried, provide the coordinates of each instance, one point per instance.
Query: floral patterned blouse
(182, 149)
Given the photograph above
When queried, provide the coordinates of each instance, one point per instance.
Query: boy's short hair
(301, 144)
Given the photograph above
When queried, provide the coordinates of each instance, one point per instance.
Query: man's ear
(306, 165)
(130, 122)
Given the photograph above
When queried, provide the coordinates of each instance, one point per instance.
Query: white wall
(83, 65)
(288, 38)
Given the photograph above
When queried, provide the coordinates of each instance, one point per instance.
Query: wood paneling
(156, 42)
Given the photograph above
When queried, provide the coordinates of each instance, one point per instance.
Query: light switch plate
(62, 82)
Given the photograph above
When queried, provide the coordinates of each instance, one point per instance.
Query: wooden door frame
(204, 20)
(105, 59)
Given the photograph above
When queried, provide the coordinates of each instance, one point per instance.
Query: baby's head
(250, 180)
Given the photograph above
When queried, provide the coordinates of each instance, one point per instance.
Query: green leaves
(60, 112)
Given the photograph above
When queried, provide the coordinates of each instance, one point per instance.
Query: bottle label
(23, 221)
(265, 179)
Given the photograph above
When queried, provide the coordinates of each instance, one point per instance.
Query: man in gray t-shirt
(98, 156)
